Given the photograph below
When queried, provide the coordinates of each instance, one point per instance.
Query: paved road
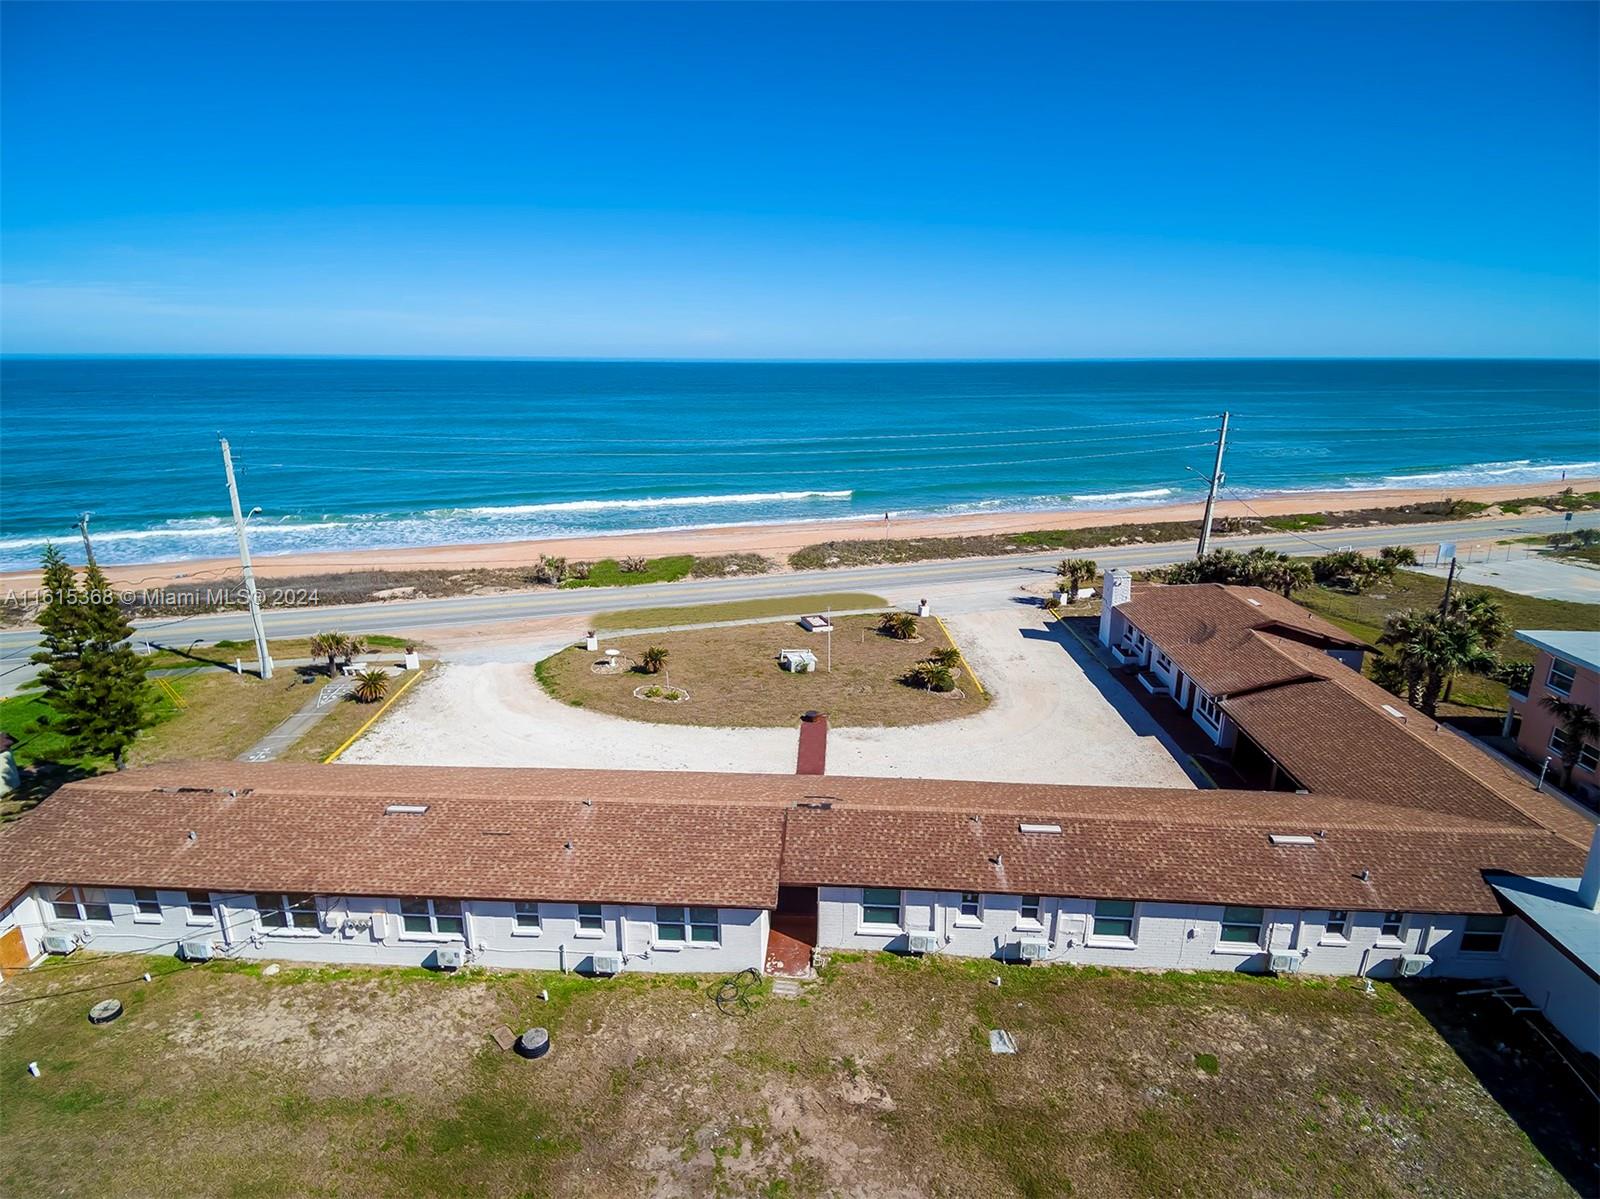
(993, 578)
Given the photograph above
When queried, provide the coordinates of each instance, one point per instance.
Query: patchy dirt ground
(878, 1081)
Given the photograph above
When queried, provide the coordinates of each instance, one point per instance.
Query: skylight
(1394, 711)
(405, 809)
(1038, 828)
(1291, 839)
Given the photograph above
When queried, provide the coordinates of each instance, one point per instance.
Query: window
(698, 925)
(880, 905)
(146, 904)
(432, 917)
(287, 911)
(1030, 910)
(200, 911)
(971, 905)
(525, 917)
(589, 918)
(1337, 926)
(1241, 926)
(1561, 676)
(1164, 662)
(80, 903)
(1588, 755)
(1113, 918)
(1206, 708)
(1483, 934)
(1393, 923)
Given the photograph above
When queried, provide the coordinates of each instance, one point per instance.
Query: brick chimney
(813, 757)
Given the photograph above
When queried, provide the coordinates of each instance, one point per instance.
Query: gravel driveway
(1056, 718)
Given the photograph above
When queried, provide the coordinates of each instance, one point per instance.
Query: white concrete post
(1589, 885)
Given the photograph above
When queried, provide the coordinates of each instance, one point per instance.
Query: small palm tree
(653, 659)
(1578, 724)
(932, 676)
(949, 657)
(1075, 572)
(371, 686)
(902, 626)
(1397, 556)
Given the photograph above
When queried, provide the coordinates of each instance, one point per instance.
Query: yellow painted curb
(172, 693)
(967, 666)
(334, 756)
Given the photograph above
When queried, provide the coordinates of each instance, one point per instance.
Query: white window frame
(189, 916)
(1207, 708)
(1558, 741)
(1499, 935)
(290, 912)
(1329, 937)
(82, 899)
(590, 934)
(1398, 937)
(433, 916)
(688, 919)
(975, 920)
(140, 916)
(1162, 661)
(523, 908)
(875, 928)
(1571, 673)
(1113, 940)
(1224, 924)
(1025, 922)
(1588, 754)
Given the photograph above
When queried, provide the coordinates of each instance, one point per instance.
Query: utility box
(448, 957)
(1412, 964)
(922, 942)
(605, 963)
(197, 950)
(59, 943)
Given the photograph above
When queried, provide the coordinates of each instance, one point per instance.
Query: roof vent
(567, 846)
(1395, 712)
(815, 805)
(1365, 876)
(998, 859)
(193, 836)
(1038, 828)
(1291, 839)
(405, 809)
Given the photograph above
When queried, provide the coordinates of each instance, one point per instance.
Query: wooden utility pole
(245, 569)
(1211, 495)
(83, 529)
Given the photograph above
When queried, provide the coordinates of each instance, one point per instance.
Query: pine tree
(93, 681)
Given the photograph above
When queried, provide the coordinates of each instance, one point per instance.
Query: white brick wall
(356, 929)
(1167, 936)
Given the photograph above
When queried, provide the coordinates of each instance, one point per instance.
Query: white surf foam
(676, 501)
(1153, 493)
(1521, 469)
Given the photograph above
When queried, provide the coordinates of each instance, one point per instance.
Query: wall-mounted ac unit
(1412, 964)
(59, 943)
(922, 942)
(605, 963)
(1033, 949)
(448, 957)
(1283, 961)
(197, 950)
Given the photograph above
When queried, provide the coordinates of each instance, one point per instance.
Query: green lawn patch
(608, 572)
(1294, 524)
(788, 605)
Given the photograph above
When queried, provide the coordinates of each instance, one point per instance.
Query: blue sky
(801, 181)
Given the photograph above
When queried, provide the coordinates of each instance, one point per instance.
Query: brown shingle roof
(1208, 630)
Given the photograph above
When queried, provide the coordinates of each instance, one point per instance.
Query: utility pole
(1444, 604)
(1211, 496)
(83, 529)
(263, 657)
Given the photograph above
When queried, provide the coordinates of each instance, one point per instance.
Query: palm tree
(653, 659)
(902, 626)
(931, 676)
(1578, 724)
(1075, 572)
(371, 686)
(1289, 576)
(333, 646)
(949, 657)
(1488, 621)
(1397, 556)
(1431, 647)
(1344, 568)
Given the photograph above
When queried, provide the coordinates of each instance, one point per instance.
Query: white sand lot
(1050, 723)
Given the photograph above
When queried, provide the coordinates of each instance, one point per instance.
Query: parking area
(1056, 717)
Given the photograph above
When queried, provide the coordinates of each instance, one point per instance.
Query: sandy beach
(775, 541)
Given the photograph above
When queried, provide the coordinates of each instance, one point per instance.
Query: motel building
(1567, 668)
(1400, 851)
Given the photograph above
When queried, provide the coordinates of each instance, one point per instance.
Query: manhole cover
(105, 1011)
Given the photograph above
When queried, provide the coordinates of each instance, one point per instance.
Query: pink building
(1568, 668)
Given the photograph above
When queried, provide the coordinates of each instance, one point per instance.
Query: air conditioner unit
(1033, 949)
(922, 942)
(59, 943)
(198, 950)
(605, 963)
(449, 957)
(1413, 964)
(1283, 961)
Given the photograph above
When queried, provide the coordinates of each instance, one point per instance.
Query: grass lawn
(733, 678)
(608, 572)
(224, 653)
(1363, 615)
(878, 1081)
(225, 716)
(788, 605)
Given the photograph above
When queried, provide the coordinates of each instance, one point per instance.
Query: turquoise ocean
(351, 454)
